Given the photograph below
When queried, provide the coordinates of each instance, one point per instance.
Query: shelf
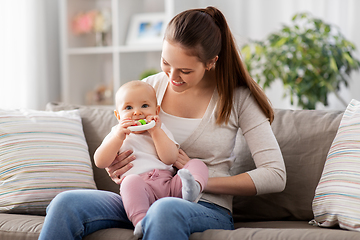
(86, 67)
(140, 48)
(111, 49)
(90, 50)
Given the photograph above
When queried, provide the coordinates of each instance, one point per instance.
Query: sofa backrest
(304, 136)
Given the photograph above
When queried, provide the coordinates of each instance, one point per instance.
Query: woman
(206, 95)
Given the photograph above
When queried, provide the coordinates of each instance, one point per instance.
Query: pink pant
(140, 191)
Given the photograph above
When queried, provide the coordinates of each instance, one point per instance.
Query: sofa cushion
(278, 233)
(42, 154)
(337, 197)
(304, 137)
(17, 226)
(20, 227)
(14, 226)
(97, 123)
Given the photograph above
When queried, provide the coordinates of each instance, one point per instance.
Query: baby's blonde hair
(134, 84)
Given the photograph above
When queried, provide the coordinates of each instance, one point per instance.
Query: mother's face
(184, 71)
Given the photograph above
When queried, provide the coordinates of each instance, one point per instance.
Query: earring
(209, 68)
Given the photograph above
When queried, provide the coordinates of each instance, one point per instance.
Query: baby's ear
(158, 110)
(117, 115)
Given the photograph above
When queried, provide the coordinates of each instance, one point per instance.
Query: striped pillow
(337, 196)
(41, 154)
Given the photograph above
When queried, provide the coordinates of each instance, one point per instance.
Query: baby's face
(136, 103)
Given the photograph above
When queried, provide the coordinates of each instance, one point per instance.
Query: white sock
(190, 187)
(138, 230)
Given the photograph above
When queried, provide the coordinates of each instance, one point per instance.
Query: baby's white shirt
(144, 150)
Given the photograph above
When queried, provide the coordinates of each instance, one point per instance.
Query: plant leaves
(333, 64)
(309, 58)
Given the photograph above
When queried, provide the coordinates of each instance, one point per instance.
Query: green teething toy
(142, 121)
(144, 125)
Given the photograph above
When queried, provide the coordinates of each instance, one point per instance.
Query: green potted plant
(312, 59)
(148, 72)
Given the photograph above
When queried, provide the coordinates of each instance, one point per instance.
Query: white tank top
(181, 128)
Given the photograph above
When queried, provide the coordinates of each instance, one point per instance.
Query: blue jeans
(75, 214)
(179, 218)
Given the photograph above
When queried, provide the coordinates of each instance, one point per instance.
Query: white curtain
(29, 64)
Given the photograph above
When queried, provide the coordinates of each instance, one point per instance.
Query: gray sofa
(304, 136)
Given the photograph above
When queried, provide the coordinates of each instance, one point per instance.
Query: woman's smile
(177, 83)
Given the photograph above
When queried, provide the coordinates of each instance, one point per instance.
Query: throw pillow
(337, 196)
(41, 154)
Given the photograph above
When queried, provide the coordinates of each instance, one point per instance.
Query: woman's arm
(269, 175)
(240, 184)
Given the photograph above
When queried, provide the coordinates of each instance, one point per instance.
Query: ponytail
(207, 33)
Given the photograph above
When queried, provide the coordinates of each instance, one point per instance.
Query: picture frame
(147, 28)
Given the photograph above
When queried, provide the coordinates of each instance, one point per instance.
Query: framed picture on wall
(146, 28)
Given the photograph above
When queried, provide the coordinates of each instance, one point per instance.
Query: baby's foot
(138, 230)
(190, 187)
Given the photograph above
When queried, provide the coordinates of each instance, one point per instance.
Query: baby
(152, 175)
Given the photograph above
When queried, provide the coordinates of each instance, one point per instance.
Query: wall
(29, 59)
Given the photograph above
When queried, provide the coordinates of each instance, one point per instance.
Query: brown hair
(206, 34)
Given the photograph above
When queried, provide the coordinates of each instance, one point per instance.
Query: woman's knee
(67, 201)
(166, 216)
(168, 207)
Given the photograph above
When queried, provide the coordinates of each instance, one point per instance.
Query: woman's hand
(120, 165)
(181, 160)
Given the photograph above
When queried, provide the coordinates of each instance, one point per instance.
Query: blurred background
(79, 51)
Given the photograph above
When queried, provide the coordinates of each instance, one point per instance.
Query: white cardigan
(214, 144)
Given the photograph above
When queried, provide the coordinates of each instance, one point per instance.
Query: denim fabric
(77, 213)
(178, 218)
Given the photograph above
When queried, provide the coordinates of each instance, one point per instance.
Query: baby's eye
(128, 107)
(145, 105)
(184, 72)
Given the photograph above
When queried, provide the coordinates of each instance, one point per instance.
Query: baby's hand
(157, 120)
(122, 128)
